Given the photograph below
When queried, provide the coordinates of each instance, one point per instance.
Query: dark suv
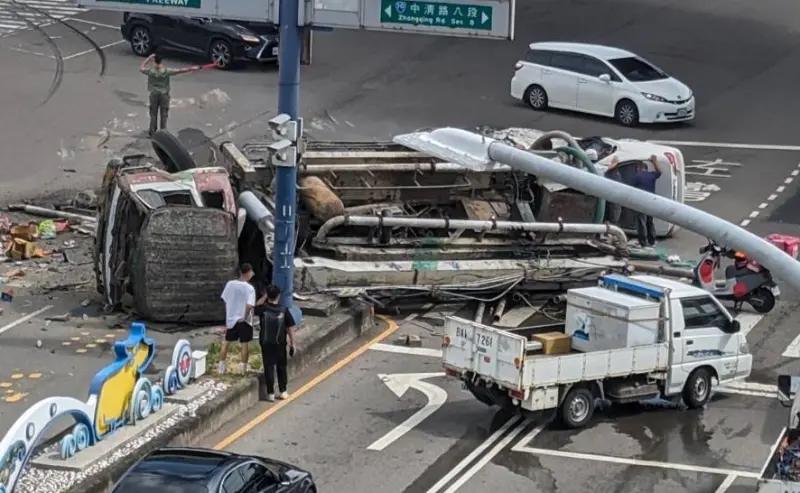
(222, 42)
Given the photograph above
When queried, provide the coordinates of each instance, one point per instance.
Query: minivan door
(595, 95)
(560, 80)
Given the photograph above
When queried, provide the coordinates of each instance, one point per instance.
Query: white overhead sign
(490, 19)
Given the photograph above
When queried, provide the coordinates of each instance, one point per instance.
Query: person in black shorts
(240, 298)
(276, 339)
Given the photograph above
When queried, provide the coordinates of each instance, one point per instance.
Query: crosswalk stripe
(12, 17)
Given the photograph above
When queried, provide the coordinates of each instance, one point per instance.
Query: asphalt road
(345, 430)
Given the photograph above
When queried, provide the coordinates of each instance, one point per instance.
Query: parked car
(196, 470)
(600, 80)
(222, 42)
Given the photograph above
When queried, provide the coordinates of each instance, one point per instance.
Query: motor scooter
(745, 280)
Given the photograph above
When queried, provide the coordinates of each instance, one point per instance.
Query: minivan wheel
(141, 41)
(697, 390)
(627, 113)
(536, 97)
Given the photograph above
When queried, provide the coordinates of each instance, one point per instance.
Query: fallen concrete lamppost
(477, 152)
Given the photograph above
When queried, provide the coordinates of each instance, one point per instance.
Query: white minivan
(600, 80)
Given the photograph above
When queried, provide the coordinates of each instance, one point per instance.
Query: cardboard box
(554, 342)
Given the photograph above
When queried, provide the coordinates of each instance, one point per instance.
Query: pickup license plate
(484, 341)
(682, 112)
(775, 290)
(275, 51)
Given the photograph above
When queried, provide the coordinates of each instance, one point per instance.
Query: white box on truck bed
(599, 319)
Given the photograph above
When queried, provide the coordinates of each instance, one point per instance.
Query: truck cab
(629, 339)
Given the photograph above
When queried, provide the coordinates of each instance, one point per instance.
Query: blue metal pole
(286, 177)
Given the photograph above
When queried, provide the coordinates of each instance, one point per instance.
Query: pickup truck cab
(630, 339)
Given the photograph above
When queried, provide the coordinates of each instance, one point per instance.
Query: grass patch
(233, 362)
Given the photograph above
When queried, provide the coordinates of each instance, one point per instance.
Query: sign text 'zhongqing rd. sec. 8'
(437, 14)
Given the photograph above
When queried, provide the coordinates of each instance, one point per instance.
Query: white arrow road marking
(399, 383)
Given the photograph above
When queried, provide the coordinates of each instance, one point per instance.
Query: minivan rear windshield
(637, 70)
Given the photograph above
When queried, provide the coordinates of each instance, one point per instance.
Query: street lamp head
(453, 145)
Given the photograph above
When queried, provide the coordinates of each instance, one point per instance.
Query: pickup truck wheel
(577, 409)
(697, 390)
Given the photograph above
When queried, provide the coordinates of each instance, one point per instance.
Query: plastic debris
(47, 229)
(7, 295)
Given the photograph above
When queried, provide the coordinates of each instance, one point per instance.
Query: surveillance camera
(279, 121)
(279, 146)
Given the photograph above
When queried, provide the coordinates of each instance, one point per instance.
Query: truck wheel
(577, 409)
(697, 390)
(172, 154)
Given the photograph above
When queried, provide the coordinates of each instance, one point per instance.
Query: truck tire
(172, 154)
(697, 390)
(577, 408)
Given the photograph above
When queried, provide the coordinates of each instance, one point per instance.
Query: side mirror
(604, 77)
(734, 326)
(787, 388)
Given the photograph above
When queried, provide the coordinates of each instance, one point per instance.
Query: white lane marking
(726, 145)
(103, 47)
(527, 439)
(747, 321)
(637, 462)
(472, 471)
(24, 319)
(416, 351)
(514, 422)
(28, 52)
(399, 384)
(746, 222)
(726, 484)
(93, 23)
(793, 349)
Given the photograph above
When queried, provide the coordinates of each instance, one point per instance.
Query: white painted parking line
(93, 23)
(516, 423)
(726, 484)
(636, 462)
(23, 319)
(86, 52)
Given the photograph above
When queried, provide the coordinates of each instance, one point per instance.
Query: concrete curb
(313, 347)
(208, 418)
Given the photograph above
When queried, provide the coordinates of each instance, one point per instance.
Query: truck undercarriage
(386, 222)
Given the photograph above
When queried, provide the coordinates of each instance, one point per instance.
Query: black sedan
(220, 41)
(195, 470)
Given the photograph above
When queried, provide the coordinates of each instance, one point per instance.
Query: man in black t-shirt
(276, 339)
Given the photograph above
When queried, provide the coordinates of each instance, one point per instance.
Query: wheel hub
(579, 409)
(700, 389)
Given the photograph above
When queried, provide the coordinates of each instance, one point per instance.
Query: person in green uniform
(158, 77)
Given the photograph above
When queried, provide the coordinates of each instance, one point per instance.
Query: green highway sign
(467, 16)
(186, 4)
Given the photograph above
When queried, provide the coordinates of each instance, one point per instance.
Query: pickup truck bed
(510, 358)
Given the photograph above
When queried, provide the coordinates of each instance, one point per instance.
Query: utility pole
(288, 126)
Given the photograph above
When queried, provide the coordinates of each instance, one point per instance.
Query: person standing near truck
(276, 339)
(646, 180)
(158, 85)
(240, 298)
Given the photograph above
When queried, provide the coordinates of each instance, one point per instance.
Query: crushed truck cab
(629, 339)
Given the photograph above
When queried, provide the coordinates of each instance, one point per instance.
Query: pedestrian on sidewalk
(646, 180)
(158, 85)
(276, 339)
(240, 299)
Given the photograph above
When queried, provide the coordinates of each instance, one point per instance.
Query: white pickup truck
(781, 469)
(632, 339)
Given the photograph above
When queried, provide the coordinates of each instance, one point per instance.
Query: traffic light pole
(286, 174)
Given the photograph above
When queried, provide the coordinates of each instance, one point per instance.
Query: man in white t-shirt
(240, 298)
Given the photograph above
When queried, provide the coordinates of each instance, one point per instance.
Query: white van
(600, 80)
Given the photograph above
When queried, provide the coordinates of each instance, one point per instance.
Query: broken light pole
(477, 152)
